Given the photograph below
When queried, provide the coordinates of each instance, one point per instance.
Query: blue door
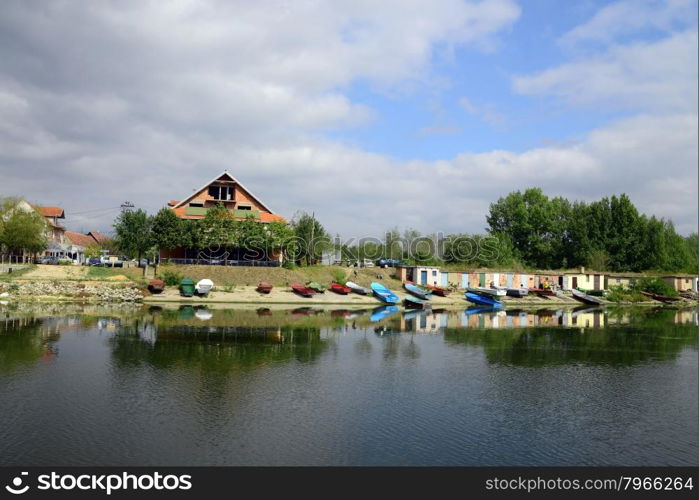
(445, 279)
(509, 280)
(464, 280)
(423, 277)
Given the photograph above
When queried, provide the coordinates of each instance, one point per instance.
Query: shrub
(339, 276)
(653, 285)
(171, 278)
(288, 264)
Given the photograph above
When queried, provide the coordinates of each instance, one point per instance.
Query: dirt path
(48, 272)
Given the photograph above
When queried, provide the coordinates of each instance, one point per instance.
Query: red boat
(156, 286)
(302, 290)
(341, 289)
(264, 287)
(442, 292)
(542, 291)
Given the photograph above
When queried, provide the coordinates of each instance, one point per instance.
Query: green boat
(187, 287)
(316, 287)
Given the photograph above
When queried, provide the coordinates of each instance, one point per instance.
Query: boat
(438, 290)
(156, 286)
(302, 290)
(488, 292)
(381, 312)
(415, 303)
(383, 293)
(357, 288)
(203, 286)
(542, 292)
(661, 298)
(203, 314)
(341, 289)
(516, 292)
(302, 311)
(316, 287)
(418, 291)
(187, 287)
(264, 287)
(585, 298)
(482, 300)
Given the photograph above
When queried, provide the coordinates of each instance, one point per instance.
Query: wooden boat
(302, 290)
(264, 287)
(482, 300)
(341, 289)
(516, 292)
(438, 290)
(415, 303)
(381, 312)
(383, 293)
(488, 292)
(661, 298)
(418, 291)
(316, 287)
(203, 286)
(542, 292)
(585, 298)
(156, 286)
(357, 289)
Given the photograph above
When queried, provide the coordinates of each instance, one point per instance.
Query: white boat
(203, 286)
(492, 292)
(357, 289)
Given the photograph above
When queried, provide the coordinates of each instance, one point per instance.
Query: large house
(227, 190)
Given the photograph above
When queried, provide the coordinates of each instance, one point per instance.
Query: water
(85, 385)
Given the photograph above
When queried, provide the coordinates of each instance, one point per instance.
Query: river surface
(130, 385)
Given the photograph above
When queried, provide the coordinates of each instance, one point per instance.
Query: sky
(370, 114)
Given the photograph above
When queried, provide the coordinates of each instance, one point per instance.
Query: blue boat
(381, 312)
(384, 294)
(482, 300)
(419, 292)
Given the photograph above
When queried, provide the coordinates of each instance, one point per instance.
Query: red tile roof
(80, 239)
(99, 237)
(52, 212)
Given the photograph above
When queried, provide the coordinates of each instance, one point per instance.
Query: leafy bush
(170, 277)
(339, 276)
(653, 285)
(618, 293)
(288, 264)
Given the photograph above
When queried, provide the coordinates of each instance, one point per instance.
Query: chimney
(582, 269)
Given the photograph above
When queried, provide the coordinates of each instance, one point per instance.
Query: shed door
(523, 281)
(423, 277)
(575, 282)
(597, 283)
(496, 279)
(481, 279)
(445, 279)
(464, 280)
(510, 277)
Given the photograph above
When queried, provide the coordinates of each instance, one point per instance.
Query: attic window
(224, 193)
(244, 207)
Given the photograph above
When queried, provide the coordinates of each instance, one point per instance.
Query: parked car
(389, 262)
(94, 261)
(47, 260)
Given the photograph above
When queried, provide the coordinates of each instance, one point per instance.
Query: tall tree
(133, 233)
(21, 230)
(167, 230)
(311, 238)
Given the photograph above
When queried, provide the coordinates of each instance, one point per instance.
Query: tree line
(530, 230)
(138, 234)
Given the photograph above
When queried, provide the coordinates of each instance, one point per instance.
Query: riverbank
(235, 286)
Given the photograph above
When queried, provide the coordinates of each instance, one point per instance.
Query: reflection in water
(261, 386)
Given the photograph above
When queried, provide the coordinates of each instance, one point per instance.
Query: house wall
(681, 283)
(617, 281)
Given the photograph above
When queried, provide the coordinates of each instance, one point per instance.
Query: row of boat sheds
(579, 279)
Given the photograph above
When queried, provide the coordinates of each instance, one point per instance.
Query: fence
(224, 262)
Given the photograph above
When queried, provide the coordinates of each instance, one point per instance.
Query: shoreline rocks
(70, 290)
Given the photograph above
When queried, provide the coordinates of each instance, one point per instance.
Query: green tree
(217, 228)
(133, 233)
(311, 238)
(167, 230)
(21, 230)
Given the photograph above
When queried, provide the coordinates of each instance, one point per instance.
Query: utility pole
(126, 206)
(311, 246)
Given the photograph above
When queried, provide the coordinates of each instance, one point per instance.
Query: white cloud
(649, 76)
